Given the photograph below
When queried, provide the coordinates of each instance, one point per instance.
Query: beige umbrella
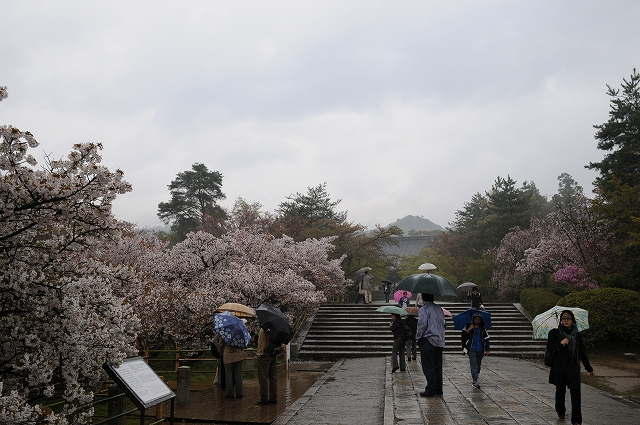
(238, 310)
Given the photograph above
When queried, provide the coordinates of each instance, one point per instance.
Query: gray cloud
(402, 108)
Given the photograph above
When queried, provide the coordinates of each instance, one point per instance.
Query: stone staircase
(357, 330)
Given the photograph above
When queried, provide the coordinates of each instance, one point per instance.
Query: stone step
(387, 336)
(382, 353)
(356, 330)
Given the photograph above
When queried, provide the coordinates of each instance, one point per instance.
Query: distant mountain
(415, 223)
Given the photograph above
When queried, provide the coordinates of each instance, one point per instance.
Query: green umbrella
(392, 309)
(427, 283)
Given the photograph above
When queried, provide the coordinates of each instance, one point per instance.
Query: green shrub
(613, 315)
(537, 300)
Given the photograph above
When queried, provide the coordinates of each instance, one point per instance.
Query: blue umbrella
(231, 329)
(459, 320)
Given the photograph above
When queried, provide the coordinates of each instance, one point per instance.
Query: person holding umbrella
(366, 286)
(476, 298)
(396, 327)
(267, 369)
(387, 290)
(430, 336)
(235, 338)
(475, 344)
(412, 321)
(275, 330)
(569, 350)
(404, 301)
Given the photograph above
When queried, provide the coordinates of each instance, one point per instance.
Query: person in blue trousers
(475, 344)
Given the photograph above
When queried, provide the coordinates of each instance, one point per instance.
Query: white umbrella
(427, 266)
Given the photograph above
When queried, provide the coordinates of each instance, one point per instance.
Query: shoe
(561, 416)
(394, 369)
(263, 403)
(476, 385)
(273, 401)
(402, 370)
(425, 394)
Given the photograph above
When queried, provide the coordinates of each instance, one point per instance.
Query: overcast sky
(402, 108)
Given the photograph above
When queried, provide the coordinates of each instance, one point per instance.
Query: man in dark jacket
(475, 344)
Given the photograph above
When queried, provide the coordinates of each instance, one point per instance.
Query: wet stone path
(350, 393)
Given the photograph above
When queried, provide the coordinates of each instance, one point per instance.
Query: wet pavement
(513, 391)
(351, 392)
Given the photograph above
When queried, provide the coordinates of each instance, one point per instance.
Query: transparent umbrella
(548, 320)
(467, 286)
(392, 309)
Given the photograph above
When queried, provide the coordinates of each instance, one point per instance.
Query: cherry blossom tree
(245, 266)
(180, 288)
(60, 320)
(507, 278)
(571, 244)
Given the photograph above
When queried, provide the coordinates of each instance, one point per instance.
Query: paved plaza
(513, 391)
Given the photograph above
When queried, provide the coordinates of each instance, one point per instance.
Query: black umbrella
(427, 283)
(275, 323)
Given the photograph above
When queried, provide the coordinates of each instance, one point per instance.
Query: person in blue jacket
(475, 344)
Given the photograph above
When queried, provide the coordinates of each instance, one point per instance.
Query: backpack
(406, 332)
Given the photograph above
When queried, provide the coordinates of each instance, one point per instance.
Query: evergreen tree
(194, 196)
(618, 185)
(314, 206)
(621, 137)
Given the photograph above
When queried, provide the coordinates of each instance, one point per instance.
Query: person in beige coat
(232, 358)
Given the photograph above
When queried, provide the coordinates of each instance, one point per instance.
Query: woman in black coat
(569, 350)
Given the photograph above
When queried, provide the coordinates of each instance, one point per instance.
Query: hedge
(537, 300)
(614, 314)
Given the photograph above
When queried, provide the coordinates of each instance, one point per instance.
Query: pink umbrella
(398, 294)
(447, 312)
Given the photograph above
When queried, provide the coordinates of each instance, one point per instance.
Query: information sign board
(139, 382)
